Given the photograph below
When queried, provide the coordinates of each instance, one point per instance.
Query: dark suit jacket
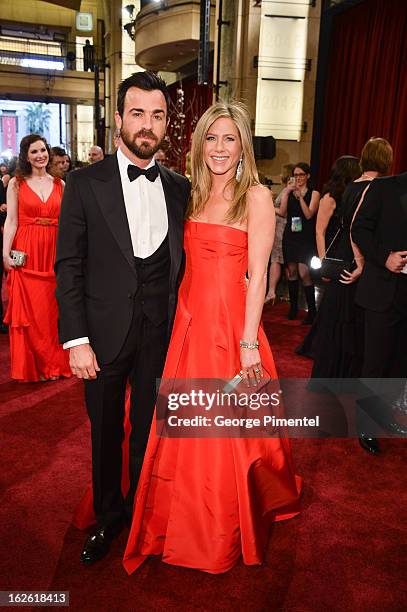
(96, 274)
(379, 228)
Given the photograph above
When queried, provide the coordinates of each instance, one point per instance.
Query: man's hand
(83, 361)
(396, 261)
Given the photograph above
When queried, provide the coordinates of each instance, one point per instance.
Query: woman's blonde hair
(200, 174)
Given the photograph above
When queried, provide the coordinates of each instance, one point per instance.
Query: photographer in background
(299, 204)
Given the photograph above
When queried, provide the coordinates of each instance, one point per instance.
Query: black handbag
(332, 267)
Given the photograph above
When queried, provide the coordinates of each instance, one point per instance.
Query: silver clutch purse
(19, 257)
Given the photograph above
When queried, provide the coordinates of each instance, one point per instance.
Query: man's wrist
(76, 342)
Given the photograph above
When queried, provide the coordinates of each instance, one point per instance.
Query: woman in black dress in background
(337, 334)
(299, 203)
(336, 308)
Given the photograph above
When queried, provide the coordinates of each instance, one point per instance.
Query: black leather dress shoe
(98, 543)
(369, 444)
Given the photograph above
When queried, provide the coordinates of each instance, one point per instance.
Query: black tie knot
(133, 172)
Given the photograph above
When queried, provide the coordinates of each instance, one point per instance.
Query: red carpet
(346, 551)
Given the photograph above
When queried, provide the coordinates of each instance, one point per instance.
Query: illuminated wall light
(39, 63)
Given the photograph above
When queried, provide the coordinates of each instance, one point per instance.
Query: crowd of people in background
(353, 334)
(308, 224)
(95, 290)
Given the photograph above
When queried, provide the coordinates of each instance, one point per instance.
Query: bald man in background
(95, 154)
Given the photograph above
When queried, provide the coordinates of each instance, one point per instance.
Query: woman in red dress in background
(33, 205)
(204, 502)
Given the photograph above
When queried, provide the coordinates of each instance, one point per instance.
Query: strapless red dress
(202, 503)
(32, 313)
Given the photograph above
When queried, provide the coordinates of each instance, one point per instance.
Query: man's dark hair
(57, 151)
(148, 81)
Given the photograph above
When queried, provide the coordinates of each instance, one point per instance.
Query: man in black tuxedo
(119, 254)
(380, 232)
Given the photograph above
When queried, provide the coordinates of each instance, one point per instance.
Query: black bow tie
(133, 172)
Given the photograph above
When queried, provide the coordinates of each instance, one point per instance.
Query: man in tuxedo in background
(380, 232)
(119, 253)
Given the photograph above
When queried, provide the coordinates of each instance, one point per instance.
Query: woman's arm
(356, 251)
(5, 180)
(350, 277)
(285, 194)
(326, 210)
(312, 209)
(261, 228)
(277, 203)
(11, 223)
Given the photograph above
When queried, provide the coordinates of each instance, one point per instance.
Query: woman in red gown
(33, 205)
(202, 503)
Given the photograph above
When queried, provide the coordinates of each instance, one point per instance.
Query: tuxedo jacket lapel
(175, 219)
(107, 187)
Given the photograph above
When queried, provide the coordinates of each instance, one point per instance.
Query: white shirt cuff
(76, 342)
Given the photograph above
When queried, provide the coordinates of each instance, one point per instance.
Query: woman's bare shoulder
(259, 194)
(14, 183)
(328, 200)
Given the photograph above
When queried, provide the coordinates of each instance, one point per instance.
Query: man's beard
(145, 150)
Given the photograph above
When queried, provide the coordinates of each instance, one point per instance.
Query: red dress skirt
(203, 503)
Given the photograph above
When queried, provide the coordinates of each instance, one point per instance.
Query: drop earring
(239, 170)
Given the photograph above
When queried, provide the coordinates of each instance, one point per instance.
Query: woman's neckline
(216, 224)
(37, 194)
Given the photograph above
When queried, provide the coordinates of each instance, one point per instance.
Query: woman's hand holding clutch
(251, 366)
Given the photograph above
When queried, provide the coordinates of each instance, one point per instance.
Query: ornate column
(113, 75)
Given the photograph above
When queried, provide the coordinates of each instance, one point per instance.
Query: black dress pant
(141, 361)
(385, 359)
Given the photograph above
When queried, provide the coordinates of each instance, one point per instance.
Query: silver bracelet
(249, 345)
